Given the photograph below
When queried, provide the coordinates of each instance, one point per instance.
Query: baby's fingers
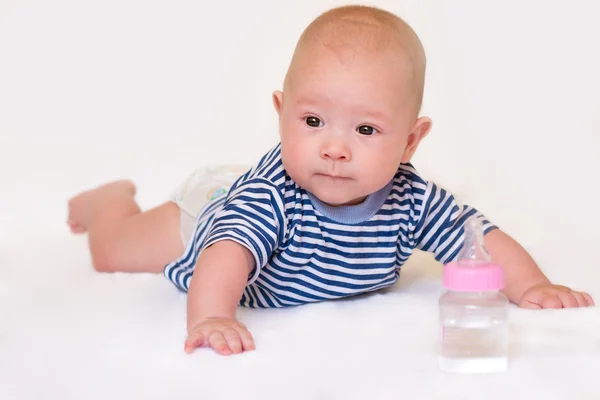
(246, 337)
(218, 343)
(193, 341)
(532, 299)
(581, 300)
(589, 299)
(551, 301)
(232, 337)
(567, 299)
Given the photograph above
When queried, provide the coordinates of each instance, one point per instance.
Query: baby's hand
(225, 336)
(547, 295)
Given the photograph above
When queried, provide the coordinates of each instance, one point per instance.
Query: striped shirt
(306, 251)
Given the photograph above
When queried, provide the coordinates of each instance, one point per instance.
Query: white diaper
(202, 186)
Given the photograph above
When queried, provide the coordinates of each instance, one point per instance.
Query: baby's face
(344, 125)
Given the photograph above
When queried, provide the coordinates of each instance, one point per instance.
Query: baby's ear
(278, 101)
(420, 129)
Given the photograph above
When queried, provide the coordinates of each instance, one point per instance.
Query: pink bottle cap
(473, 276)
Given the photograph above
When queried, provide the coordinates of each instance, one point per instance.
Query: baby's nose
(335, 150)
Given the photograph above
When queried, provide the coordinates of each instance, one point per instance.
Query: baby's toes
(72, 205)
(74, 225)
(71, 213)
(77, 229)
(75, 219)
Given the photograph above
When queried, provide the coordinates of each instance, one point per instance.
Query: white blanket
(68, 332)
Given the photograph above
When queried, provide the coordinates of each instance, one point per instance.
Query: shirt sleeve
(440, 223)
(254, 216)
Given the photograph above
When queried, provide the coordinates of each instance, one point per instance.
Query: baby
(333, 210)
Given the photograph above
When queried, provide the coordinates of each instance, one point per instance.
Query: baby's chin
(333, 192)
(335, 197)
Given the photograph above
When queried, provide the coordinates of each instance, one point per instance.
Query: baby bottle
(473, 312)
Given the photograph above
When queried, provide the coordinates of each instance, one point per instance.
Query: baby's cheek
(383, 168)
(291, 157)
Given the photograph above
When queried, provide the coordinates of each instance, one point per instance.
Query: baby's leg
(121, 237)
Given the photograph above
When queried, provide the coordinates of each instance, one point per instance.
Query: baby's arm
(439, 228)
(242, 237)
(215, 290)
(526, 285)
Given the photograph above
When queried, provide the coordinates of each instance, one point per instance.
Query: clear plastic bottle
(473, 311)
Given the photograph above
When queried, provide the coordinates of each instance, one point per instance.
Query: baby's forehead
(377, 41)
(370, 92)
(318, 61)
(350, 39)
(369, 35)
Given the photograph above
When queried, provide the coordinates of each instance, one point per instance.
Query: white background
(151, 90)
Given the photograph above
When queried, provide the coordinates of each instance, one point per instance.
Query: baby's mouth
(333, 176)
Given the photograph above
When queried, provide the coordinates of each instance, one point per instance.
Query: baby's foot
(80, 205)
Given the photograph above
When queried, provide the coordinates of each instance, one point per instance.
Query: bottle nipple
(473, 251)
(473, 271)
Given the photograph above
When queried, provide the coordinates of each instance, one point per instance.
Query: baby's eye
(313, 122)
(366, 130)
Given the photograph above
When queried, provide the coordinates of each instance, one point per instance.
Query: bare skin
(526, 284)
(122, 238)
(80, 206)
(217, 285)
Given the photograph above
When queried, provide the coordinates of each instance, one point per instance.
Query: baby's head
(348, 113)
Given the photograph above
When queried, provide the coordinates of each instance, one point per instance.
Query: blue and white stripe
(306, 251)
